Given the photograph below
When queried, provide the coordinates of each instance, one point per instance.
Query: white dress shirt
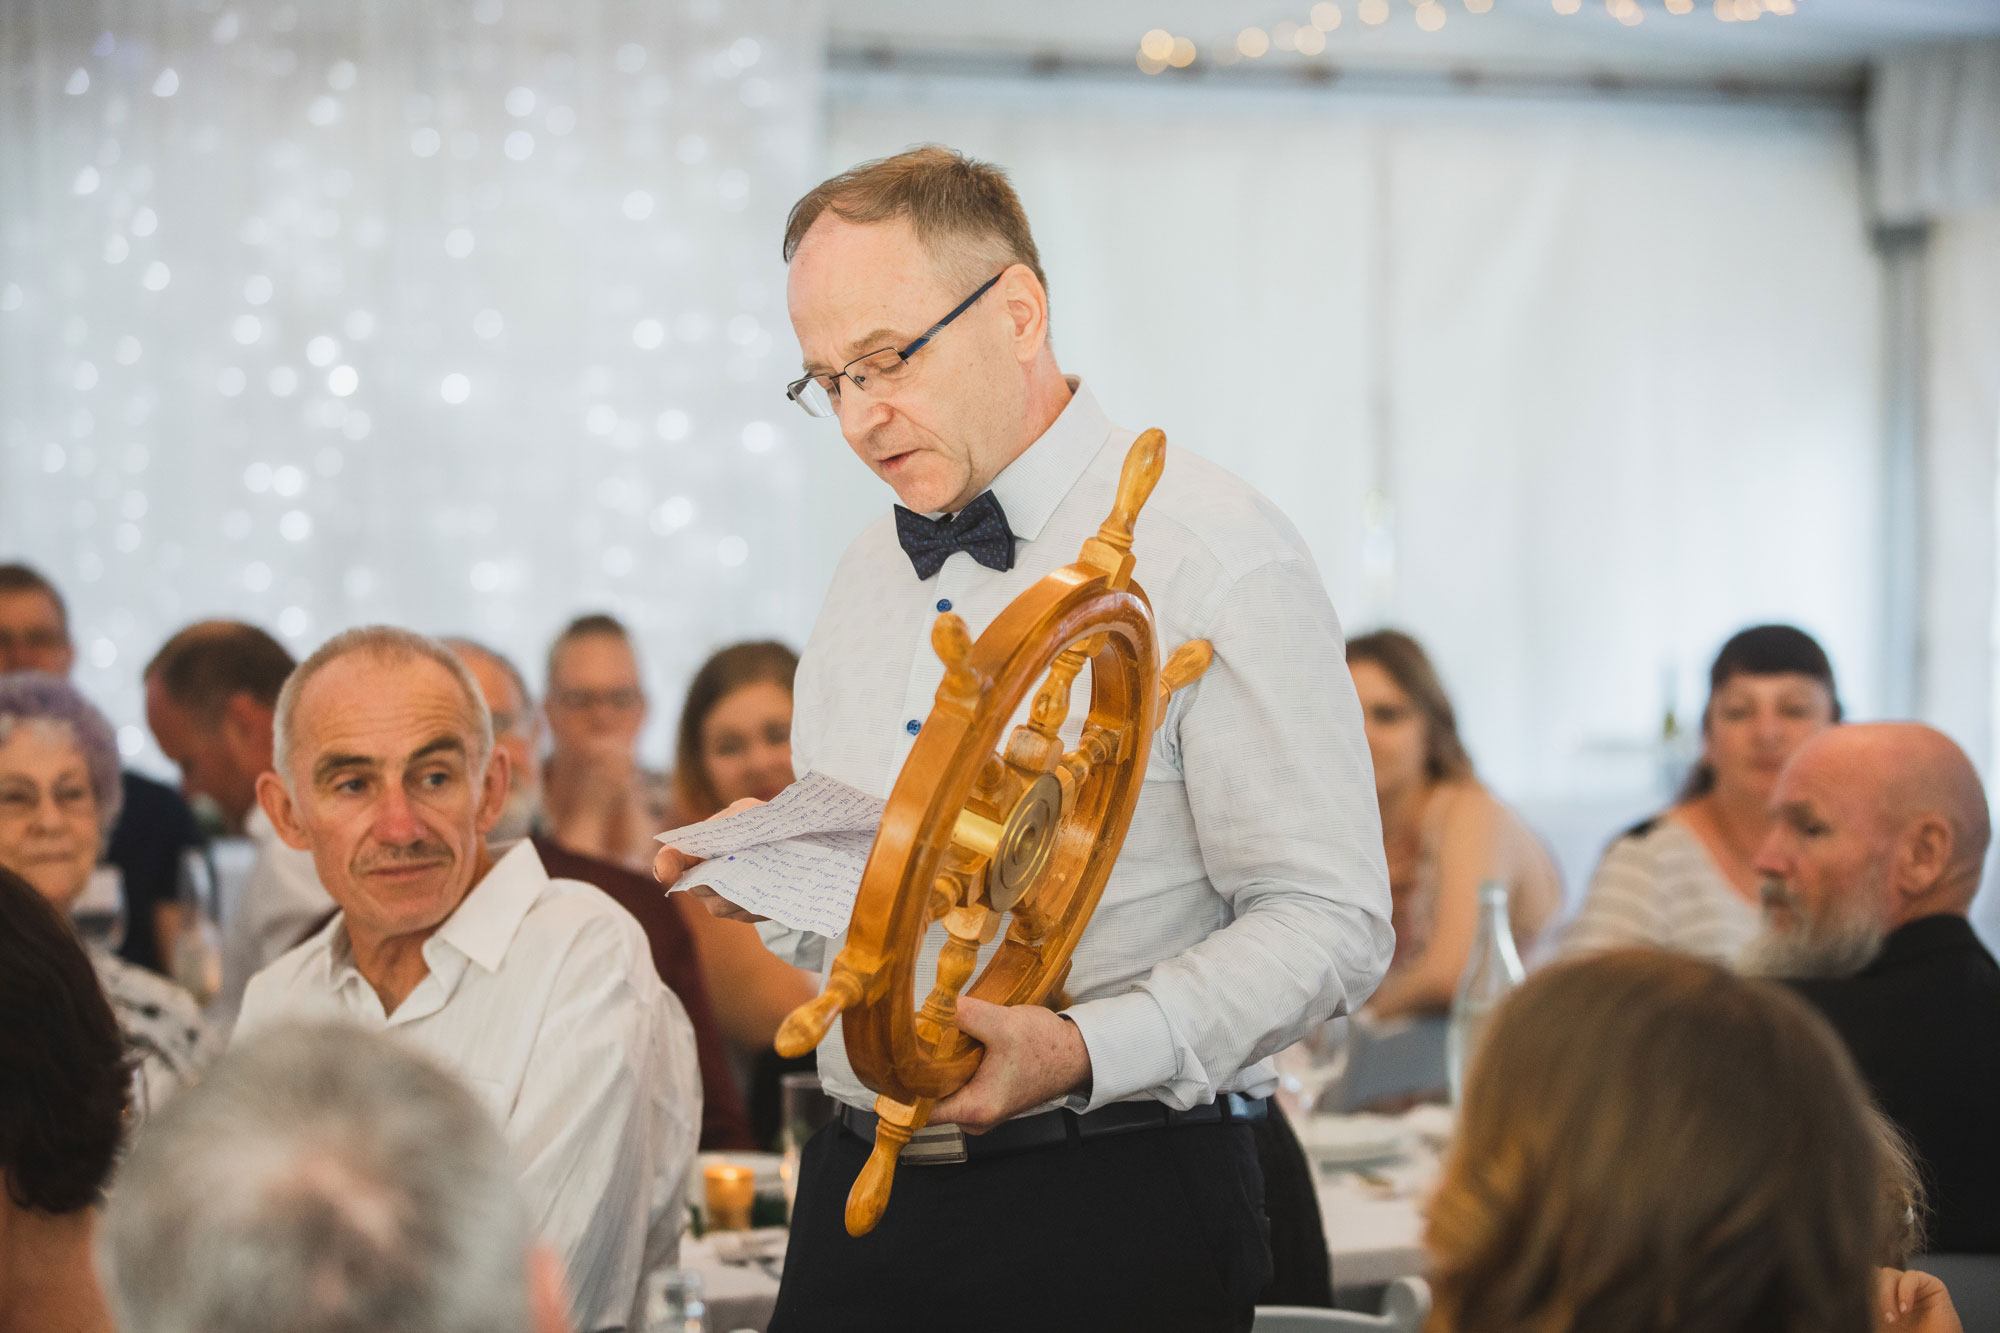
(542, 996)
(281, 902)
(1251, 899)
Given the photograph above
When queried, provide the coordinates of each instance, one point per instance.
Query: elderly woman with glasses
(59, 797)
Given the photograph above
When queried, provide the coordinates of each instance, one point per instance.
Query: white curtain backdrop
(1934, 132)
(464, 315)
(1570, 390)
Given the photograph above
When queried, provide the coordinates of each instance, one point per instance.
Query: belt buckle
(935, 1145)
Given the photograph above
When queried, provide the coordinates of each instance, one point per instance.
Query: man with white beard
(1869, 871)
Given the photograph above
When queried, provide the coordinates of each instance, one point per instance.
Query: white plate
(1353, 1140)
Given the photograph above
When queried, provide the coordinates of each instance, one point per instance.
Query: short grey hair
(30, 696)
(321, 1179)
(385, 643)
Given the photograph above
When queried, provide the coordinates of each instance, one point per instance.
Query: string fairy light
(1160, 49)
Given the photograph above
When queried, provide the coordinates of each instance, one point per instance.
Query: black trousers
(1158, 1230)
(1301, 1273)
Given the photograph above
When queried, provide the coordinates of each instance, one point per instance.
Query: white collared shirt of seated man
(539, 993)
(1251, 898)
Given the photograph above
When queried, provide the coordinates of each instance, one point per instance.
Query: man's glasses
(622, 699)
(819, 394)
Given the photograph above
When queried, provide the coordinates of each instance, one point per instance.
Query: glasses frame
(798, 386)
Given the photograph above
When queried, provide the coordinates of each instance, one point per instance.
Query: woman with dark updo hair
(1686, 879)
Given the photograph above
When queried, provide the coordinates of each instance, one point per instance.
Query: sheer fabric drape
(1571, 390)
(466, 316)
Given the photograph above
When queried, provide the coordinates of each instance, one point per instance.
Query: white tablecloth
(739, 1296)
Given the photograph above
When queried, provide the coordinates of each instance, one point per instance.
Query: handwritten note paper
(796, 860)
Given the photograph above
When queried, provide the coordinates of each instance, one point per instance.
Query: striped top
(1658, 887)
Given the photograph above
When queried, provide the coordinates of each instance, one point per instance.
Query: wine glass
(1312, 1070)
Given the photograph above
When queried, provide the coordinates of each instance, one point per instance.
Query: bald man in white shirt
(1110, 1177)
(540, 993)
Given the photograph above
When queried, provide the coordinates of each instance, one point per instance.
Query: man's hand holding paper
(797, 860)
(671, 863)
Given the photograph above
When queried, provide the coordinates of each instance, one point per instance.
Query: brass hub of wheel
(1017, 850)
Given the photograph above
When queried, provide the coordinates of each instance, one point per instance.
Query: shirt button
(913, 726)
(944, 604)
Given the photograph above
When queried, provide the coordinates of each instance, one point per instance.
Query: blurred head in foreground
(1651, 1142)
(63, 1087)
(323, 1179)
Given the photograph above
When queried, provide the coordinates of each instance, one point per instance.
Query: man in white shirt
(539, 993)
(211, 695)
(1251, 898)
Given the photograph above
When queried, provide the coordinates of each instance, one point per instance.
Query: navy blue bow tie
(980, 530)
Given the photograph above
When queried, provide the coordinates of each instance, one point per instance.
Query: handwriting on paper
(797, 860)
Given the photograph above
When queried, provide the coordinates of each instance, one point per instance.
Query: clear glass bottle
(1493, 969)
(674, 1302)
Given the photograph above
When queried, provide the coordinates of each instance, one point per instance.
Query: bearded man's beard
(1846, 937)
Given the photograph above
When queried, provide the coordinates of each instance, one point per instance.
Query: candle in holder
(731, 1190)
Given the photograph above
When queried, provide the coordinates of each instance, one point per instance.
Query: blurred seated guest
(1444, 832)
(59, 793)
(1648, 1141)
(211, 694)
(62, 1108)
(517, 729)
(538, 992)
(735, 742)
(596, 798)
(1686, 879)
(325, 1179)
(669, 922)
(1881, 834)
(155, 831)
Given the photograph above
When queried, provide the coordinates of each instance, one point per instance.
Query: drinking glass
(1313, 1070)
(674, 1302)
(803, 1107)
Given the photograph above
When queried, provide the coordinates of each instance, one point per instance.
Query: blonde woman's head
(1652, 1144)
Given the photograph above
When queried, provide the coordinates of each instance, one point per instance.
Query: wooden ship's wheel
(974, 829)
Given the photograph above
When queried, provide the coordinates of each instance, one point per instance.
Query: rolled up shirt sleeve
(1278, 779)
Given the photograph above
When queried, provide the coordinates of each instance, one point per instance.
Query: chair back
(1405, 1306)
(1974, 1283)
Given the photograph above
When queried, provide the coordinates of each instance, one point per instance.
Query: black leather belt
(939, 1145)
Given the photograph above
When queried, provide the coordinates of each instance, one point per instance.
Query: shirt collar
(478, 931)
(486, 922)
(1031, 486)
